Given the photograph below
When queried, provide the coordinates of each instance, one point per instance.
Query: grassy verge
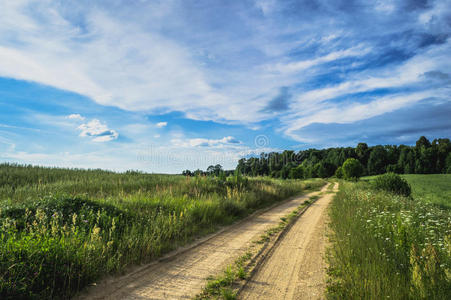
(225, 285)
(386, 246)
(72, 229)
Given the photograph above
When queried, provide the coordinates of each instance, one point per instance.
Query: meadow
(434, 188)
(62, 229)
(390, 246)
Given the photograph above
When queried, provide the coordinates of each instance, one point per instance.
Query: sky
(167, 85)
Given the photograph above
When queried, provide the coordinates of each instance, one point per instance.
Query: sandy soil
(183, 275)
(295, 269)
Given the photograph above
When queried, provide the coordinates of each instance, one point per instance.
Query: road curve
(184, 275)
(295, 269)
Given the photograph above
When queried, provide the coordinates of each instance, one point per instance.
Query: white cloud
(98, 131)
(294, 67)
(162, 124)
(121, 62)
(76, 117)
(129, 62)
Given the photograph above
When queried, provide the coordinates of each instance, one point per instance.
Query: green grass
(430, 188)
(61, 230)
(388, 246)
(434, 188)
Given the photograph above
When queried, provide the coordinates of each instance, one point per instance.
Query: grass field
(434, 188)
(429, 188)
(388, 246)
(63, 229)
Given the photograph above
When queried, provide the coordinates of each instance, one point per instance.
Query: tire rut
(295, 269)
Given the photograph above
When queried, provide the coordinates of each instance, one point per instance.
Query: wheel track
(294, 268)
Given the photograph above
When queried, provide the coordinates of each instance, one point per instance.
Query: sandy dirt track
(184, 275)
(295, 269)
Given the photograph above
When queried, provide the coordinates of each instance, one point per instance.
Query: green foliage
(378, 161)
(352, 169)
(433, 189)
(392, 183)
(448, 164)
(339, 173)
(386, 246)
(297, 172)
(424, 158)
(61, 229)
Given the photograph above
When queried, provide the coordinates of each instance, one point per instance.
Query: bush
(297, 172)
(352, 169)
(339, 173)
(393, 183)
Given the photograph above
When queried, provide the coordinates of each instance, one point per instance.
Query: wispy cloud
(162, 124)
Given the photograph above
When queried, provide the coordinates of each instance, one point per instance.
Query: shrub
(297, 172)
(352, 169)
(339, 173)
(393, 183)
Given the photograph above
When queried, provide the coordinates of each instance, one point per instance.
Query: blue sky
(163, 86)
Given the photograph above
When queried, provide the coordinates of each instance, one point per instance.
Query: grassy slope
(62, 229)
(387, 246)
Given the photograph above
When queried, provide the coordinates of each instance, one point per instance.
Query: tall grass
(63, 229)
(388, 246)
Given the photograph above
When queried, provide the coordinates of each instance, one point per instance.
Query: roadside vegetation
(61, 229)
(386, 244)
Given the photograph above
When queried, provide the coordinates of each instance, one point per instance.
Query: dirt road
(184, 275)
(295, 269)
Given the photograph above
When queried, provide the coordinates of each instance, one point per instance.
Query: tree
(377, 161)
(198, 172)
(422, 142)
(339, 173)
(352, 169)
(187, 173)
(362, 153)
(425, 161)
(285, 172)
(443, 147)
(297, 172)
(325, 169)
(448, 164)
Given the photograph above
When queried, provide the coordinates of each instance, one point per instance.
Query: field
(63, 229)
(434, 188)
(388, 246)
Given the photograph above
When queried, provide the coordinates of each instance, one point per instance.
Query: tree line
(424, 158)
